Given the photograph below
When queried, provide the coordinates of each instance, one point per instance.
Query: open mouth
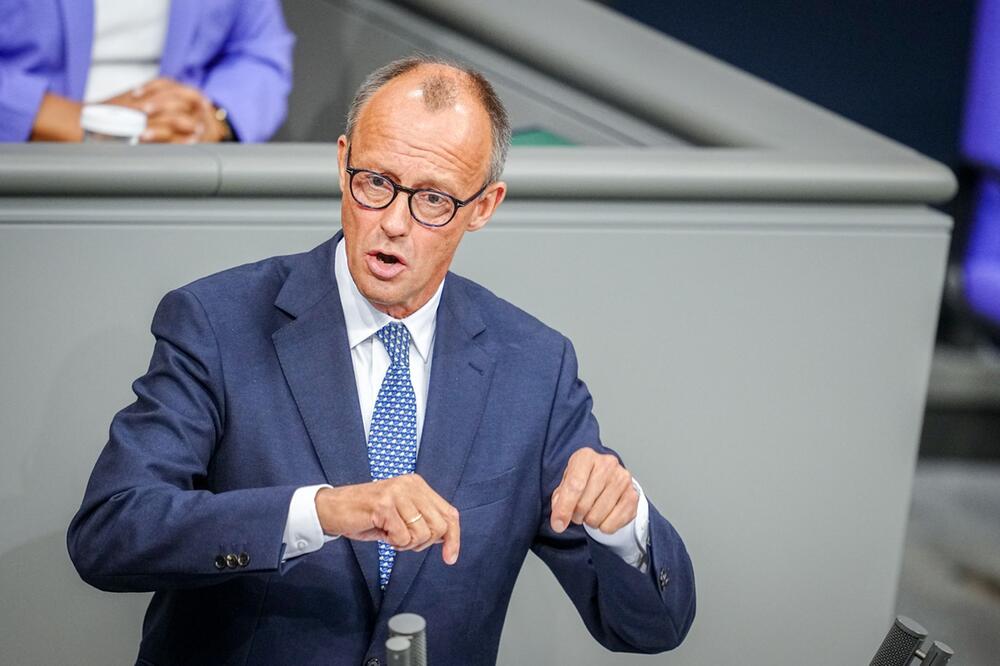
(385, 265)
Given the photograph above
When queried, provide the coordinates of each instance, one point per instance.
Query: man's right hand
(403, 511)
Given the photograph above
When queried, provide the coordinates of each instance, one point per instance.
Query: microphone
(937, 655)
(397, 651)
(899, 645)
(902, 644)
(413, 629)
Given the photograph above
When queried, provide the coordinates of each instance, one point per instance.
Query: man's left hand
(595, 491)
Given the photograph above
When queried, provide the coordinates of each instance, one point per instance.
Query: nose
(395, 218)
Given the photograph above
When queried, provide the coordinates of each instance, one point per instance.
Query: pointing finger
(452, 536)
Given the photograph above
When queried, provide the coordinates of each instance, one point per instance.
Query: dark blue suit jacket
(250, 394)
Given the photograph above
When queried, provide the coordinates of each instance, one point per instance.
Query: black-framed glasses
(430, 208)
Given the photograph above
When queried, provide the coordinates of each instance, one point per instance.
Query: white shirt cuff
(629, 542)
(303, 533)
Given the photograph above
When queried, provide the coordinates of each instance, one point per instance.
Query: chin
(380, 295)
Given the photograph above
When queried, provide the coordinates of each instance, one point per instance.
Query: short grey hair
(439, 93)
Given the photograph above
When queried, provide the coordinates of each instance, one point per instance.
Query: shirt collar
(364, 320)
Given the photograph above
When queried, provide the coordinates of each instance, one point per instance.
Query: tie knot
(396, 340)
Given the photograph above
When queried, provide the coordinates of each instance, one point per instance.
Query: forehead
(421, 129)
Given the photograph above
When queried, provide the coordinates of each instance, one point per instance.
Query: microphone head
(938, 654)
(397, 651)
(900, 643)
(414, 628)
(407, 624)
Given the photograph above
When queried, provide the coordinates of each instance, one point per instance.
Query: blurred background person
(206, 71)
(981, 146)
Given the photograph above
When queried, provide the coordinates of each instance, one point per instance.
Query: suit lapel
(315, 357)
(184, 16)
(78, 28)
(461, 373)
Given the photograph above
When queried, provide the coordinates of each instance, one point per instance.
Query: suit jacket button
(663, 579)
(220, 562)
(243, 559)
(231, 561)
(373, 662)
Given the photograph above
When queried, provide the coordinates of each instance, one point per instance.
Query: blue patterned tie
(392, 441)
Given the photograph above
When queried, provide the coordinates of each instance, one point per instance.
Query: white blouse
(129, 37)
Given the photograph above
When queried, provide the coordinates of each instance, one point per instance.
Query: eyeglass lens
(375, 191)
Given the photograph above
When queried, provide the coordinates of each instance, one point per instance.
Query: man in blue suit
(327, 439)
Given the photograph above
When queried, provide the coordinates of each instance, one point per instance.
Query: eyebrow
(388, 173)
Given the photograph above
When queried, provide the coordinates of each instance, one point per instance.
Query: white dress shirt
(129, 37)
(303, 533)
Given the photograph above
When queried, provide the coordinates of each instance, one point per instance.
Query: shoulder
(259, 279)
(508, 326)
(246, 293)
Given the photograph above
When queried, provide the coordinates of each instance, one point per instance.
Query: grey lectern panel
(762, 370)
(762, 367)
(234, 173)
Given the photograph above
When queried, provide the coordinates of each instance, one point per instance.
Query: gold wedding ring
(414, 519)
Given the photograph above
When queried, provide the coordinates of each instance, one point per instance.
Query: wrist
(220, 121)
(344, 509)
(326, 505)
(58, 119)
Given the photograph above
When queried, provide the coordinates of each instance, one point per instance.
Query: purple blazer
(237, 52)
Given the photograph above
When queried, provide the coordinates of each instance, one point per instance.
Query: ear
(486, 205)
(342, 164)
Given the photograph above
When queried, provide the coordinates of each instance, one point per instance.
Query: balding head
(421, 130)
(441, 84)
(439, 90)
